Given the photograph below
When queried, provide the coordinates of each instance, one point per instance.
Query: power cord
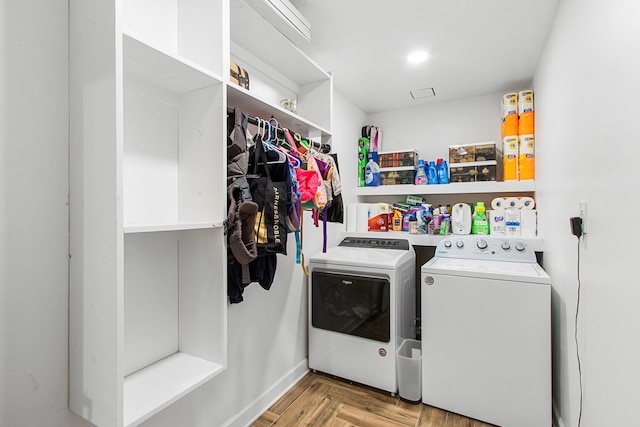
(576, 230)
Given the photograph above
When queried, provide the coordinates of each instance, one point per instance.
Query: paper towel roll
(498, 203)
(362, 217)
(526, 203)
(512, 203)
(525, 112)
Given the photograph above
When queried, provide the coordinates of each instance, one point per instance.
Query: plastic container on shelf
(432, 173)
(443, 172)
(421, 173)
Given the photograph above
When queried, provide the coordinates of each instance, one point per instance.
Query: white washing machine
(486, 331)
(361, 307)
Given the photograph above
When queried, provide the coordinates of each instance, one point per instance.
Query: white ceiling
(476, 47)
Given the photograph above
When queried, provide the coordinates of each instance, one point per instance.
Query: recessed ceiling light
(417, 56)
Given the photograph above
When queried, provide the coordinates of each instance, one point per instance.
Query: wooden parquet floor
(322, 400)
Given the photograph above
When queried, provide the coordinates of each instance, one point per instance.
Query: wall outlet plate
(583, 216)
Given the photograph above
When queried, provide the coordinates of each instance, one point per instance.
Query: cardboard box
(396, 159)
(479, 152)
(397, 176)
(238, 75)
(476, 171)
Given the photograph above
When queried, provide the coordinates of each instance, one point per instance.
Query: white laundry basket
(409, 362)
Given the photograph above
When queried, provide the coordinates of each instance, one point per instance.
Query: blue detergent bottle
(443, 172)
(432, 173)
(372, 171)
(421, 173)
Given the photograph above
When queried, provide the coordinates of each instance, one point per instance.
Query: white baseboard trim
(557, 419)
(256, 408)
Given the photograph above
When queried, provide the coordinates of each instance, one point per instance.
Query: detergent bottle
(443, 172)
(372, 171)
(479, 224)
(421, 173)
(432, 173)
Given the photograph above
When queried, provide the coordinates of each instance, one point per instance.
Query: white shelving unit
(447, 193)
(149, 96)
(148, 200)
(278, 69)
(452, 188)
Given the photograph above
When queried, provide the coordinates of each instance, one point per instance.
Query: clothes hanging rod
(323, 148)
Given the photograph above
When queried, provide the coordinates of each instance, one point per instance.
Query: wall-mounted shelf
(258, 107)
(452, 188)
(278, 70)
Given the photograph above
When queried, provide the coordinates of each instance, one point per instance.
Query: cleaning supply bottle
(372, 171)
(421, 173)
(479, 224)
(443, 172)
(432, 173)
(362, 159)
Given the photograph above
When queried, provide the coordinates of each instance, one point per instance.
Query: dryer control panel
(485, 247)
(370, 243)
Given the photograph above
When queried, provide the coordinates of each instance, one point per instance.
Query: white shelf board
(255, 106)
(174, 73)
(452, 188)
(536, 243)
(152, 228)
(148, 391)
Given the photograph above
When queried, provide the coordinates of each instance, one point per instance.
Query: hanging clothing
(261, 270)
(335, 211)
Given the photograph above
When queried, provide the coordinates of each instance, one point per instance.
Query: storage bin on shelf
(397, 159)
(476, 171)
(477, 152)
(398, 175)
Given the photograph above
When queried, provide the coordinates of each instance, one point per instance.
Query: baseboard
(557, 419)
(256, 408)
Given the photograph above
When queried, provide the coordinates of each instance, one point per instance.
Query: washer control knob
(482, 244)
(506, 246)
(519, 247)
(460, 244)
(447, 243)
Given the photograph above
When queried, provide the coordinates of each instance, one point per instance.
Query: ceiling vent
(422, 93)
(285, 17)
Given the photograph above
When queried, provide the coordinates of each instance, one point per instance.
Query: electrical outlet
(583, 216)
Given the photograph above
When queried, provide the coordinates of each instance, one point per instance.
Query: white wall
(432, 128)
(33, 214)
(586, 91)
(347, 124)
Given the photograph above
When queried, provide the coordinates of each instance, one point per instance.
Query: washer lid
(355, 256)
(487, 269)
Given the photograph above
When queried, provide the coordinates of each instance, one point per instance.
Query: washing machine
(361, 308)
(486, 331)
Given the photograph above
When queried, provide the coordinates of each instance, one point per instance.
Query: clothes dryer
(361, 308)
